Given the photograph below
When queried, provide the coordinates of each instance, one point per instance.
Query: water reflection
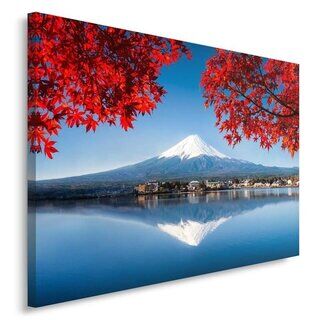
(188, 218)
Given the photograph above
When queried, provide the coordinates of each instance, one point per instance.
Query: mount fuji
(191, 158)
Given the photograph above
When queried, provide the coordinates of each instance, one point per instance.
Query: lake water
(90, 247)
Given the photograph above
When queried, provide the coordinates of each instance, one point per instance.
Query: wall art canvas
(153, 159)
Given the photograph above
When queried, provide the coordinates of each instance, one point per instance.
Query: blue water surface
(89, 247)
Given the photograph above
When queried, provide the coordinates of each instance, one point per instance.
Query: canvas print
(153, 159)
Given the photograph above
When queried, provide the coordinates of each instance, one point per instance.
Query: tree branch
(273, 94)
(259, 106)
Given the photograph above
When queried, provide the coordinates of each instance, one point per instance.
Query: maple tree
(83, 74)
(254, 98)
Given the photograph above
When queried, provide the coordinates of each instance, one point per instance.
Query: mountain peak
(191, 147)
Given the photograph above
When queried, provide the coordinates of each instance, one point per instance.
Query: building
(276, 184)
(141, 188)
(212, 184)
(149, 187)
(245, 183)
(194, 186)
(215, 184)
(259, 185)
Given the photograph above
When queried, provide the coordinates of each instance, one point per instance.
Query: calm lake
(90, 247)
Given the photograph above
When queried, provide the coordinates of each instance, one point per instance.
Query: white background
(287, 30)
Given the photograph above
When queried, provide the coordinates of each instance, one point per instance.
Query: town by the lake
(154, 186)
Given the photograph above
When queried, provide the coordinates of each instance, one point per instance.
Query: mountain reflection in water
(188, 218)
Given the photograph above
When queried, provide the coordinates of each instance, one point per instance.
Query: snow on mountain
(192, 147)
(191, 232)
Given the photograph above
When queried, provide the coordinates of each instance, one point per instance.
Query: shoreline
(211, 191)
(136, 195)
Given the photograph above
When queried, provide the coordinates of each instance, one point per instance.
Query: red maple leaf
(49, 148)
(254, 98)
(86, 75)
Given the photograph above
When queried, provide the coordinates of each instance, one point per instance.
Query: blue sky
(180, 114)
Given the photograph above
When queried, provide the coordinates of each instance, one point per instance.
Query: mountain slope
(190, 158)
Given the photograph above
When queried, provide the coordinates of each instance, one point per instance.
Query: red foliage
(84, 74)
(254, 98)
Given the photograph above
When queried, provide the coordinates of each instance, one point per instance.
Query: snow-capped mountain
(191, 158)
(191, 147)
